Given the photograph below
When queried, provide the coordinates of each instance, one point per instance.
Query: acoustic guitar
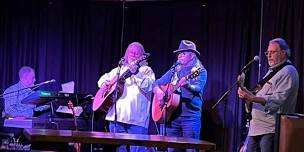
(171, 99)
(103, 99)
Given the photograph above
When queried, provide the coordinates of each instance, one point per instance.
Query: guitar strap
(262, 82)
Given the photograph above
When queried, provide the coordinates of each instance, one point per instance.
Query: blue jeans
(188, 127)
(130, 129)
(261, 143)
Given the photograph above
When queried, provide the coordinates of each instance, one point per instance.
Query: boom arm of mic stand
(224, 118)
(31, 87)
(225, 94)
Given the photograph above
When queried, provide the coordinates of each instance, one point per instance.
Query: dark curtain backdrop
(81, 40)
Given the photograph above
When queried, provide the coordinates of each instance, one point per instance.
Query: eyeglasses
(270, 52)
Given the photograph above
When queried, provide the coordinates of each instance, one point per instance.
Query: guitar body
(103, 99)
(158, 106)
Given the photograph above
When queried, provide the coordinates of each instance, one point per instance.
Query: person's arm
(165, 79)
(106, 78)
(196, 85)
(245, 94)
(12, 104)
(274, 99)
(146, 81)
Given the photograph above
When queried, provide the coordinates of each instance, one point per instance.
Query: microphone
(147, 54)
(175, 64)
(49, 81)
(121, 61)
(46, 82)
(42, 83)
(245, 68)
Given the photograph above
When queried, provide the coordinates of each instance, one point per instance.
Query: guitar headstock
(142, 58)
(194, 73)
(70, 104)
(241, 80)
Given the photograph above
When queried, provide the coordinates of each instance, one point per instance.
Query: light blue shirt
(280, 93)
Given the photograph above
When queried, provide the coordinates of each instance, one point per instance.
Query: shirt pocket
(268, 88)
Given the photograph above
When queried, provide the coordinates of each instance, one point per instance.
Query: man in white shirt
(133, 105)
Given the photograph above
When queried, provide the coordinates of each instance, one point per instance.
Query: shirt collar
(280, 63)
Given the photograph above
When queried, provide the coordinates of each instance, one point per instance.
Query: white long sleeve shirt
(133, 106)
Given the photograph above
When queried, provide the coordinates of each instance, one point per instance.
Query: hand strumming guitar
(106, 85)
(245, 94)
(159, 93)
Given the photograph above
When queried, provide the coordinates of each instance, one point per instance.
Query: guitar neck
(71, 106)
(192, 75)
(75, 122)
(175, 87)
(126, 75)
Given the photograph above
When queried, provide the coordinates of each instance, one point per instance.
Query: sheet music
(64, 109)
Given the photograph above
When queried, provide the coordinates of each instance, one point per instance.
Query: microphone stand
(225, 94)
(119, 64)
(165, 107)
(115, 94)
(31, 87)
(223, 98)
(166, 102)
